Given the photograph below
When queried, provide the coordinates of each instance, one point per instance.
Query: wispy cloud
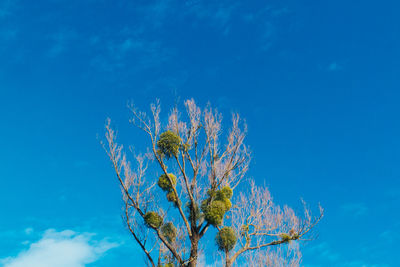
(324, 252)
(8, 28)
(60, 41)
(6, 7)
(356, 209)
(28, 230)
(334, 66)
(116, 52)
(393, 193)
(216, 14)
(136, 42)
(63, 249)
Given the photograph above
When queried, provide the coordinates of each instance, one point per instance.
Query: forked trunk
(194, 250)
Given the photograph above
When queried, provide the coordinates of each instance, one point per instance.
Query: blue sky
(317, 81)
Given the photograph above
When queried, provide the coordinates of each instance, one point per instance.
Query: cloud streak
(334, 66)
(6, 8)
(355, 209)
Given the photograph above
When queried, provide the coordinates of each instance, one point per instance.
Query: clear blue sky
(317, 81)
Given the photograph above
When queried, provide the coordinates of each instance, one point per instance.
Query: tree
(197, 189)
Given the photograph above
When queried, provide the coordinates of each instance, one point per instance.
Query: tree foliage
(199, 187)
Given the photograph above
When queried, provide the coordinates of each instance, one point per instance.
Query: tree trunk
(228, 260)
(194, 249)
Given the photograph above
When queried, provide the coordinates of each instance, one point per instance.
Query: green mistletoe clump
(167, 184)
(153, 219)
(226, 239)
(216, 205)
(168, 144)
(169, 231)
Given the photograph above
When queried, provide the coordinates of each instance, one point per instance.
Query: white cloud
(62, 249)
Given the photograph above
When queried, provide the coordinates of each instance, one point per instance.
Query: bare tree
(263, 224)
(197, 175)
